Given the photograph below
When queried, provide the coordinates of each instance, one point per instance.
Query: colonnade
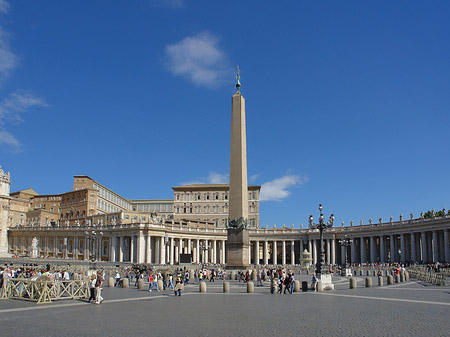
(423, 246)
(288, 251)
(422, 241)
(158, 249)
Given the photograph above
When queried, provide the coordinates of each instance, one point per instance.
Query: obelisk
(237, 246)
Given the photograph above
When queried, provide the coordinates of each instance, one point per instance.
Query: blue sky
(347, 101)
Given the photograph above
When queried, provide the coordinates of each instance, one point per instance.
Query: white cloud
(168, 3)
(277, 189)
(199, 59)
(10, 113)
(213, 178)
(17, 102)
(8, 139)
(8, 60)
(4, 6)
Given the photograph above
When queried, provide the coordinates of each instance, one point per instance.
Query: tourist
(292, 283)
(98, 288)
(170, 282)
(92, 287)
(314, 283)
(280, 285)
(164, 280)
(152, 282)
(137, 276)
(117, 277)
(259, 279)
(286, 283)
(178, 285)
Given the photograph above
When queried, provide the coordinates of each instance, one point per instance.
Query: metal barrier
(429, 277)
(45, 291)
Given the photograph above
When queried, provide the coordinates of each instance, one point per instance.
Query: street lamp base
(325, 282)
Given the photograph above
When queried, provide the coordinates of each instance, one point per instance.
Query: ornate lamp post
(96, 239)
(321, 226)
(345, 242)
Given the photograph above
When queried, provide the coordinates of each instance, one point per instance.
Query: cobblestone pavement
(404, 309)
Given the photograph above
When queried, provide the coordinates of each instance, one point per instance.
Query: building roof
(151, 201)
(29, 191)
(210, 187)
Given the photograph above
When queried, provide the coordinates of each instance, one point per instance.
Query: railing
(429, 277)
(44, 290)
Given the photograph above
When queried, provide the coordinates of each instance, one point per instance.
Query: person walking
(92, 287)
(137, 276)
(178, 285)
(98, 288)
(314, 282)
(170, 282)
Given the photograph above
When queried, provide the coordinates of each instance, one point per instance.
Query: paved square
(404, 309)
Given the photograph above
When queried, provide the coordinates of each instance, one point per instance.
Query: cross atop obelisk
(238, 237)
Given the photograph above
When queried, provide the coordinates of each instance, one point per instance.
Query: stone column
(157, 249)
(353, 251)
(162, 251)
(140, 248)
(392, 247)
(424, 248)
(333, 251)
(343, 254)
(214, 252)
(446, 246)
(372, 249)
(197, 246)
(327, 250)
(224, 247)
(266, 252)
(249, 254)
(435, 247)
(189, 247)
(283, 252)
(86, 247)
(413, 247)
(256, 252)
(74, 247)
(293, 252)
(112, 253)
(171, 252)
(402, 248)
(148, 249)
(56, 244)
(382, 258)
(314, 252)
(132, 238)
(207, 251)
(176, 247)
(363, 250)
(274, 253)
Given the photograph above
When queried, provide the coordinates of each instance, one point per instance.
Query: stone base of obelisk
(237, 249)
